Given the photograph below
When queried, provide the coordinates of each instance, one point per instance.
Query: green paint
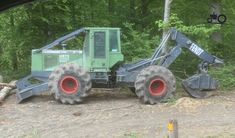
(101, 51)
(36, 61)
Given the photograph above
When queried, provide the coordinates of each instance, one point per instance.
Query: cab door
(99, 42)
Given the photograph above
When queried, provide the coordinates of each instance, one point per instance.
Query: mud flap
(200, 85)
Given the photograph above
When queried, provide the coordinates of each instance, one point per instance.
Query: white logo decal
(196, 49)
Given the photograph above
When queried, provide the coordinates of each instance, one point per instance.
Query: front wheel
(155, 84)
(69, 83)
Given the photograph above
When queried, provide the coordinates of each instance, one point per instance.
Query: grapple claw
(200, 85)
(196, 93)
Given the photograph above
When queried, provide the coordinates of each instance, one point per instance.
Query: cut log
(7, 85)
(6, 90)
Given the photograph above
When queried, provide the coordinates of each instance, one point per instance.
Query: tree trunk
(144, 11)
(91, 10)
(167, 12)
(13, 50)
(216, 8)
(111, 12)
(45, 27)
(111, 7)
(73, 13)
(132, 11)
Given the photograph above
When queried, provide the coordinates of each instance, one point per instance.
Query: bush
(225, 76)
(136, 44)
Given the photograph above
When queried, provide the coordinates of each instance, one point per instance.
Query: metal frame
(61, 40)
(27, 88)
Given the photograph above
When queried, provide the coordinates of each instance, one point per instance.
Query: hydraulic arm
(184, 42)
(197, 85)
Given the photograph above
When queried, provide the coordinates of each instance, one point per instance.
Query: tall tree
(216, 9)
(111, 6)
(167, 12)
(144, 11)
(132, 10)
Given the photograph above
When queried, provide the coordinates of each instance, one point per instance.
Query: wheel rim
(222, 18)
(69, 85)
(157, 87)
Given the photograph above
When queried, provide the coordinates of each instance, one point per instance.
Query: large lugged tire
(155, 84)
(69, 83)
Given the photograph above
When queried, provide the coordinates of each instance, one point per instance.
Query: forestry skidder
(70, 74)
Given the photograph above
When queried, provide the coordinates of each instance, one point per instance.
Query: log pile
(6, 88)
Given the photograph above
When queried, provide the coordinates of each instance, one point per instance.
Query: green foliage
(225, 76)
(200, 31)
(137, 45)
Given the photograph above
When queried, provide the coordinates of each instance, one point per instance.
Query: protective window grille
(99, 44)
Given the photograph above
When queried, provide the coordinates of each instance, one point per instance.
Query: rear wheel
(69, 83)
(155, 84)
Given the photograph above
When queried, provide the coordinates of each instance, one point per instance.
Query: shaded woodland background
(34, 25)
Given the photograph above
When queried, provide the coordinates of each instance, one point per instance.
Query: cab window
(99, 44)
(113, 41)
(86, 44)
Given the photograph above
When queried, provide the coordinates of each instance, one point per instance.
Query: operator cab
(102, 49)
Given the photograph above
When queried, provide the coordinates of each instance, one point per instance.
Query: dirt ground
(117, 114)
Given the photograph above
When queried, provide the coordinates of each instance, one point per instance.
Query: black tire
(155, 84)
(222, 18)
(69, 83)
